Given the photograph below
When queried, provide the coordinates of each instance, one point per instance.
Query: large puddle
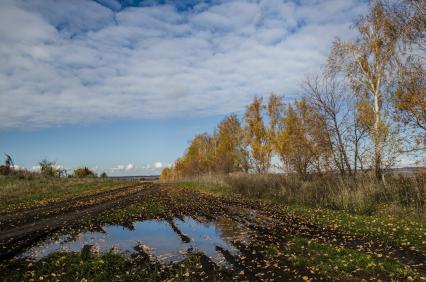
(169, 241)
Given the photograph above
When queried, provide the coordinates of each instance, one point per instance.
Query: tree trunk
(377, 138)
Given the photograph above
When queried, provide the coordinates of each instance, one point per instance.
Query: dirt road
(22, 229)
(272, 245)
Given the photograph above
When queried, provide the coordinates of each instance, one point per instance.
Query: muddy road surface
(162, 232)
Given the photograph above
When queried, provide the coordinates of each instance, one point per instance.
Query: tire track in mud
(17, 238)
(36, 213)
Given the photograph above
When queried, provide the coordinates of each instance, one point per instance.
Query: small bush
(50, 169)
(84, 172)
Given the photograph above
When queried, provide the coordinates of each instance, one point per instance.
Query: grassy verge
(22, 193)
(74, 267)
(341, 264)
(410, 233)
(394, 230)
(107, 266)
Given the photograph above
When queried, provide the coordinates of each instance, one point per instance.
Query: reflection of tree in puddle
(169, 240)
(231, 230)
(183, 237)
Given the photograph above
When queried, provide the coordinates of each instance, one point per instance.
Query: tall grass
(398, 195)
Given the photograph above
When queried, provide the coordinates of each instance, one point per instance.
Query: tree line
(362, 112)
(47, 169)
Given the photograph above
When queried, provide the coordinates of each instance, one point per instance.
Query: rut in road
(37, 213)
(20, 236)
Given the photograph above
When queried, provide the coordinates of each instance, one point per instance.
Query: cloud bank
(70, 62)
(132, 169)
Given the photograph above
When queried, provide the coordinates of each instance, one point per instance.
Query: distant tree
(103, 175)
(9, 161)
(83, 172)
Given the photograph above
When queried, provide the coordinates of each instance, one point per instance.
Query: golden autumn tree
(166, 174)
(230, 152)
(409, 18)
(274, 109)
(256, 135)
(300, 141)
(291, 145)
(410, 102)
(200, 155)
(177, 169)
(368, 63)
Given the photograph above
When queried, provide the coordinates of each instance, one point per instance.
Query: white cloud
(67, 62)
(55, 166)
(131, 169)
(158, 165)
(118, 168)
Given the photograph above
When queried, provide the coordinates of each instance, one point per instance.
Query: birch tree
(368, 63)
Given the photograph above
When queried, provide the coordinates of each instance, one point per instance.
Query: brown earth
(270, 225)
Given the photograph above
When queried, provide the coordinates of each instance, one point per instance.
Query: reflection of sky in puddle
(156, 234)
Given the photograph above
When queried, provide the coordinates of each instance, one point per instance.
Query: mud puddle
(169, 241)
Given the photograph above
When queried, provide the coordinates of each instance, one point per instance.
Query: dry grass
(399, 195)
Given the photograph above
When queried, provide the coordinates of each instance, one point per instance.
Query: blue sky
(121, 86)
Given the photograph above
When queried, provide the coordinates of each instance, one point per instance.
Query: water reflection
(168, 240)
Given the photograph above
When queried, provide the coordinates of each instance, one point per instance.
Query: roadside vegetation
(399, 196)
(340, 144)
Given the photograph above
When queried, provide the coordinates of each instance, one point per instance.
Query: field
(23, 193)
(101, 230)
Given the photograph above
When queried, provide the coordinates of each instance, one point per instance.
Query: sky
(121, 86)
